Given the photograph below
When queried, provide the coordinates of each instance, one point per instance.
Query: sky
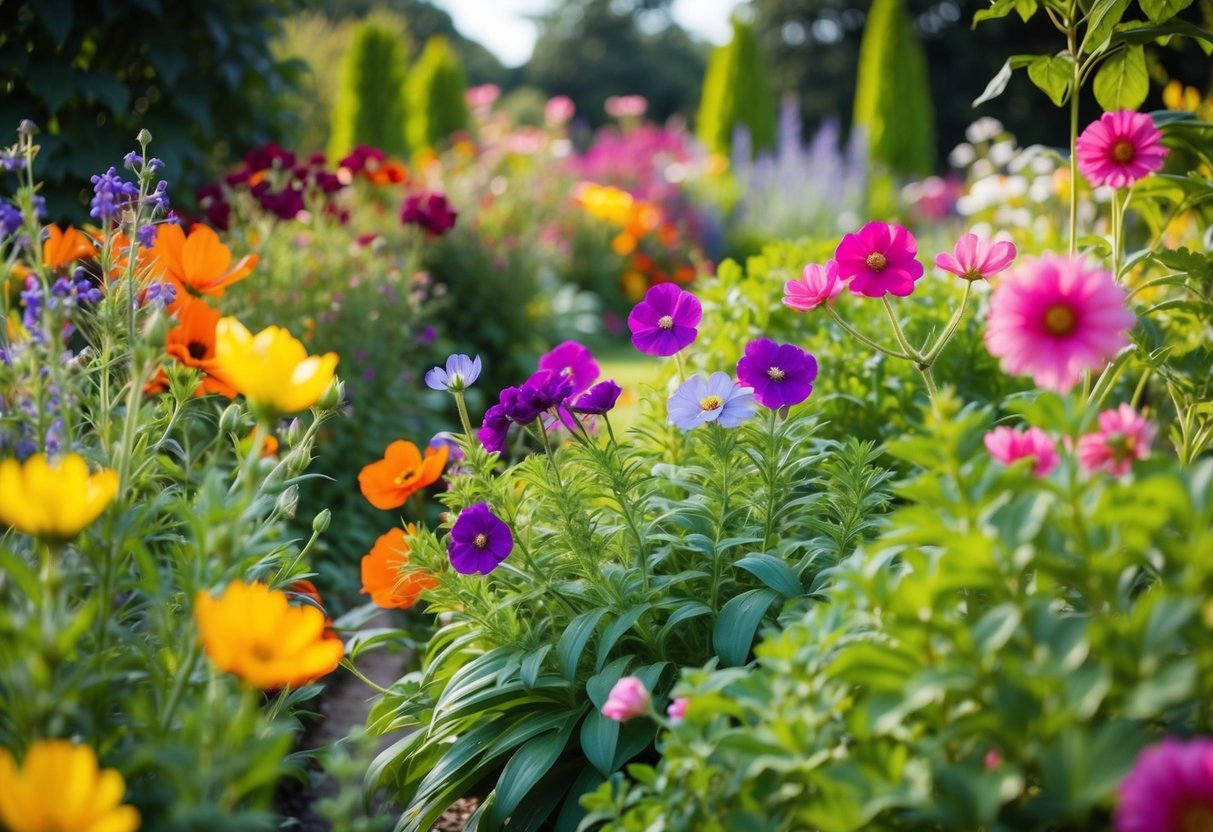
(502, 26)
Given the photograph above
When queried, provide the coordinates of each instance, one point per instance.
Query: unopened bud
(229, 420)
(333, 396)
(288, 501)
(320, 524)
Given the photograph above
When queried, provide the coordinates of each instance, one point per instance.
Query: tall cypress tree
(893, 98)
(436, 89)
(370, 107)
(736, 91)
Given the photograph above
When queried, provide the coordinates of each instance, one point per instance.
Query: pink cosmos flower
(482, 97)
(817, 284)
(558, 110)
(628, 699)
(1123, 435)
(1120, 149)
(975, 257)
(1170, 789)
(626, 106)
(1007, 446)
(879, 259)
(1054, 317)
(678, 709)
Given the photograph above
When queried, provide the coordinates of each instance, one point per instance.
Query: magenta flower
(598, 399)
(626, 106)
(1007, 446)
(817, 284)
(1054, 317)
(1120, 149)
(627, 700)
(1170, 789)
(574, 361)
(430, 211)
(879, 259)
(677, 711)
(493, 429)
(975, 258)
(665, 321)
(781, 374)
(1123, 435)
(479, 541)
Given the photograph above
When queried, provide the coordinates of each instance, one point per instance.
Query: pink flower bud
(678, 709)
(628, 699)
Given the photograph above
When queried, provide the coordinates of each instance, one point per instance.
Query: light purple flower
(575, 361)
(460, 373)
(665, 321)
(713, 399)
(780, 374)
(627, 700)
(479, 541)
(1170, 788)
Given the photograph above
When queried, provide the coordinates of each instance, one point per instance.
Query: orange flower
(62, 247)
(199, 263)
(388, 172)
(388, 482)
(255, 633)
(384, 574)
(192, 343)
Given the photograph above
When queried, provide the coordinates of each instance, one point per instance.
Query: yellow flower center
(876, 261)
(1124, 151)
(666, 322)
(711, 403)
(480, 541)
(775, 374)
(406, 476)
(1060, 320)
(1198, 818)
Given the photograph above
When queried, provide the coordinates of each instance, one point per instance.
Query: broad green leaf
(996, 627)
(576, 636)
(774, 572)
(523, 771)
(1161, 10)
(1000, 80)
(1103, 20)
(599, 737)
(1053, 74)
(1123, 83)
(737, 624)
(615, 631)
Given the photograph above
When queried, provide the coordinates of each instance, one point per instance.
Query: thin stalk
(170, 708)
(682, 370)
(863, 338)
(463, 416)
(950, 329)
(1075, 86)
(1118, 233)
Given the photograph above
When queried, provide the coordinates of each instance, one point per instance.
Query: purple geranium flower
(781, 374)
(494, 428)
(665, 321)
(598, 399)
(575, 361)
(480, 541)
(713, 399)
(460, 373)
(1170, 788)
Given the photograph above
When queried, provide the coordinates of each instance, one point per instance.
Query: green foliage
(198, 74)
(995, 659)
(892, 100)
(370, 106)
(736, 93)
(436, 88)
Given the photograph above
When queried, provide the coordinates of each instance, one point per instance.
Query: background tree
(436, 89)
(199, 74)
(370, 107)
(736, 92)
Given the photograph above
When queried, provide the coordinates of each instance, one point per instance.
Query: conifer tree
(370, 106)
(736, 91)
(436, 90)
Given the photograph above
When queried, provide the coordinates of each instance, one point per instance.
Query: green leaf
(1000, 80)
(531, 665)
(774, 572)
(1122, 83)
(56, 16)
(1135, 33)
(572, 643)
(615, 631)
(737, 624)
(523, 771)
(1104, 18)
(996, 627)
(1053, 74)
(599, 737)
(1161, 10)
(1173, 684)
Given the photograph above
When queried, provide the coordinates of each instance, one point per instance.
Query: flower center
(1124, 151)
(666, 322)
(1198, 818)
(480, 541)
(776, 374)
(567, 372)
(711, 403)
(406, 475)
(262, 652)
(1060, 320)
(876, 261)
(197, 350)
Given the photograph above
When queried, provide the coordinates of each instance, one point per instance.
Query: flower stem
(911, 354)
(863, 338)
(682, 370)
(1072, 44)
(463, 416)
(950, 329)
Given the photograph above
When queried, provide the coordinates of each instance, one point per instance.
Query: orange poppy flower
(199, 263)
(192, 343)
(388, 482)
(62, 247)
(389, 172)
(384, 574)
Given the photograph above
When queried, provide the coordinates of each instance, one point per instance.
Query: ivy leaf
(1053, 74)
(1160, 10)
(1122, 83)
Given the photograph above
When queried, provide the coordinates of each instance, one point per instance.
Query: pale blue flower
(460, 373)
(713, 399)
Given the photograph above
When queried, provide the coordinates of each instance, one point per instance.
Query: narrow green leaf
(774, 572)
(737, 624)
(523, 771)
(599, 737)
(572, 642)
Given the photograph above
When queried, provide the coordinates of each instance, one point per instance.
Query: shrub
(736, 93)
(370, 107)
(436, 89)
